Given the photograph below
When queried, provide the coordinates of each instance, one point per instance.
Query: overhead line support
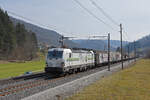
(134, 51)
(121, 46)
(128, 54)
(108, 51)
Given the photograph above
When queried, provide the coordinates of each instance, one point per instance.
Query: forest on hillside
(16, 43)
(142, 46)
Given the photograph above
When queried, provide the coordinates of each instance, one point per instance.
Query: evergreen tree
(20, 34)
(15, 41)
(34, 40)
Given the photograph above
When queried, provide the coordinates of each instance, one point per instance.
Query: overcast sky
(68, 16)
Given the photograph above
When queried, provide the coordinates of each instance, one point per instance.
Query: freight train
(64, 60)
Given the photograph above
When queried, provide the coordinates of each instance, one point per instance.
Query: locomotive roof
(70, 50)
(58, 49)
(80, 51)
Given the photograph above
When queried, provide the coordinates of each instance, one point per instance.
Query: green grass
(130, 84)
(15, 69)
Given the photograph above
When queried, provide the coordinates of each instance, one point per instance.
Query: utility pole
(108, 51)
(121, 45)
(128, 54)
(134, 51)
(62, 40)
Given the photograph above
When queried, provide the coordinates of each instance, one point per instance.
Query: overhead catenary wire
(108, 16)
(54, 27)
(125, 38)
(92, 14)
(104, 13)
(40, 24)
(127, 35)
(25, 18)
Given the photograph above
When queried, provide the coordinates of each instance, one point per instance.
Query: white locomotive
(62, 60)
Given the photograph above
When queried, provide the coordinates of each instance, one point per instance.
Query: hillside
(49, 37)
(142, 45)
(98, 44)
(116, 43)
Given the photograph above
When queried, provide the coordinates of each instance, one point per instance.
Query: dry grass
(129, 84)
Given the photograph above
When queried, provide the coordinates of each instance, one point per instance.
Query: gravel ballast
(62, 91)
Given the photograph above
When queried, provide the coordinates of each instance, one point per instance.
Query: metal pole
(128, 54)
(62, 43)
(108, 51)
(121, 45)
(134, 52)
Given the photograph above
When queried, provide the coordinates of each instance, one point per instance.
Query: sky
(69, 19)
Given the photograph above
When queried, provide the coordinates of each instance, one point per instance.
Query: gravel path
(67, 86)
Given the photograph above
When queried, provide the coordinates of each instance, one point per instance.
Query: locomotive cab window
(55, 54)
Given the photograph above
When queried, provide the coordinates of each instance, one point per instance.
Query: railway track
(44, 80)
(21, 78)
(22, 87)
(28, 85)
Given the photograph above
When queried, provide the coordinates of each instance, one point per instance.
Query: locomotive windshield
(55, 54)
